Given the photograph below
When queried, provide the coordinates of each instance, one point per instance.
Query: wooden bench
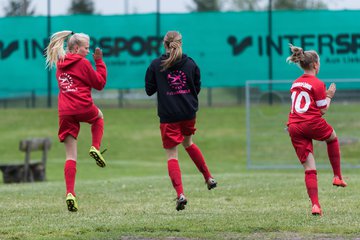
(30, 170)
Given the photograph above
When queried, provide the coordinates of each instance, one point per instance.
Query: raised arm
(98, 77)
(329, 95)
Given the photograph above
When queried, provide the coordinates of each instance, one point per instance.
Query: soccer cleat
(211, 183)
(97, 155)
(339, 182)
(181, 202)
(71, 203)
(316, 210)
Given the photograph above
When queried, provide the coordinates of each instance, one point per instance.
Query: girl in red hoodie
(76, 77)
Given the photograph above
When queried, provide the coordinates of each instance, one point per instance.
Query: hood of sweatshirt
(177, 64)
(70, 59)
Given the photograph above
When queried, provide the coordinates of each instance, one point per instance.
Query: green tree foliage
(81, 7)
(19, 8)
(299, 4)
(279, 4)
(251, 5)
(206, 5)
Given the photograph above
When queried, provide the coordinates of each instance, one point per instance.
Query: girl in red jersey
(76, 77)
(311, 100)
(176, 79)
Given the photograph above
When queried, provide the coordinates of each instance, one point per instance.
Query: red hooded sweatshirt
(76, 77)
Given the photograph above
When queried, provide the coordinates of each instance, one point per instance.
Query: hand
(97, 54)
(331, 91)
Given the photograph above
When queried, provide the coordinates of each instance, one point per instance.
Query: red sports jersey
(308, 96)
(76, 77)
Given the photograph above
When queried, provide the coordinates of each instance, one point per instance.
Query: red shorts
(172, 134)
(70, 124)
(303, 133)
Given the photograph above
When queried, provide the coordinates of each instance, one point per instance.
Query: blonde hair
(173, 46)
(304, 59)
(55, 50)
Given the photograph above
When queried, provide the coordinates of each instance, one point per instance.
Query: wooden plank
(34, 144)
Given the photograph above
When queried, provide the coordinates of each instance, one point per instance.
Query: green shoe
(96, 154)
(71, 203)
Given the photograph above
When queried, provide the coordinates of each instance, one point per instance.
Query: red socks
(334, 156)
(70, 172)
(175, 175)
(312, 186)
(197, 157)
(174, 169)
(97, 131)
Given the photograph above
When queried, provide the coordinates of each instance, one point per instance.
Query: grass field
(132, 198)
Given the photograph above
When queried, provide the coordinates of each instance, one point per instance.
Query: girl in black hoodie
(176, 79)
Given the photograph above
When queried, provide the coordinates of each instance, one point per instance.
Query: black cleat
(181, 202)
(211, 183)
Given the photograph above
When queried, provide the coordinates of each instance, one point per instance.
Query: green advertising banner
(229, 48)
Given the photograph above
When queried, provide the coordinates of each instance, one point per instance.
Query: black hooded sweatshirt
(177, 88)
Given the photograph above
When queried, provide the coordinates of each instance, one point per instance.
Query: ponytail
(305, 59)
(173, 46)
(55, 50)
(297, 54)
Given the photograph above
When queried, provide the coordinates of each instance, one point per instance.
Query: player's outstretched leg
(312, 190)
(333, 150)
(175, 176)
(199, 160)
(69, 174)
(97, 131)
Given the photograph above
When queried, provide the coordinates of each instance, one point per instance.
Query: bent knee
(186, 144)
(100, 114)
(332, 136)
(187, 141)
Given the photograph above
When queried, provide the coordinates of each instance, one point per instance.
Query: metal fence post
(209, 96)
